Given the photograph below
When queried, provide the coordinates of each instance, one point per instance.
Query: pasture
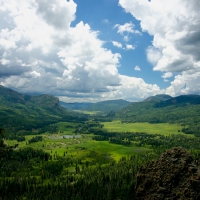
(80, 147)
(87, 112)
(161, 128)
(84, 146)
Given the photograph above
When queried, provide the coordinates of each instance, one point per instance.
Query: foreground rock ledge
(174, 176)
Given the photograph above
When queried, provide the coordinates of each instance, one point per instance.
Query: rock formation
(174, 176)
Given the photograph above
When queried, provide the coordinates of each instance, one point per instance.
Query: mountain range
(184, 109)
(29, 111)
(103, 106)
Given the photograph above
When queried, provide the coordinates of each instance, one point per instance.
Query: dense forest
(33, 167)
(34, 174)
(184, 110)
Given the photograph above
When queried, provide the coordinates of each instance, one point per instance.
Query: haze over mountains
(103, 106)
(159, 97)
(25, 115)
(46, 108)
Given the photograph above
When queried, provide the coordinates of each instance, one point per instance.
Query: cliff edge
(174, 176)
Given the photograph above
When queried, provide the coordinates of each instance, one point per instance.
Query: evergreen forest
(50, 152)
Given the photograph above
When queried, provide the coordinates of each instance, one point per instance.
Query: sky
(97, 50)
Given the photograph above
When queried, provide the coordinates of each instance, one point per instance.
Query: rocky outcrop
(174, 176)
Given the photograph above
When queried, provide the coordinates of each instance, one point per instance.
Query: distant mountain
(159, 97)
(183, 109)
(27, 112)
(102, 106)
(74, 106)
(107, 106)
(180, 101)
(14, 99)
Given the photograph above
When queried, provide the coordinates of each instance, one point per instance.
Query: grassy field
(66, 127)
(79, 147)
(162, 128)
(83, 146)
(88, 112)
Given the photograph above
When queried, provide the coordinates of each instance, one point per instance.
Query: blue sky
(103, 16)
(90, 51)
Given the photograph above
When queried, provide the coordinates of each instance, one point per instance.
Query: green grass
(114, 150)
(66, 127)
(88, 112)
(81, 147)
(161, 128)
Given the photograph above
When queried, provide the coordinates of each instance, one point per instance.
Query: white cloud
(126, 38)
(4, 61)
(127, 27)
(36, 74)
(117, 44)
(167, 75)
(137, 68)
(41, 53)
(130, 47)
(137, 88)
(176, 38)
(56, 13)
(153, 55)
(186, 83)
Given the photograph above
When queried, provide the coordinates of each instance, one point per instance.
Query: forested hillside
(107, 106)
(178, 109)
(74, 106)
(159, 97)
(48, 151)
(184, 110)
(20, 112)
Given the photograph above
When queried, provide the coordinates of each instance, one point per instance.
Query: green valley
(52, 152)
(159, 128)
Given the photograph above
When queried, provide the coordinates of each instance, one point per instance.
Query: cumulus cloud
(126, 29)
(56, 13)
(137, 68)
(186, 83)
(153, 55)
(40, 53)
(167, 75)
(137, 86)
(117, 44)
(127, 47)
(176, 38)
(130, 47)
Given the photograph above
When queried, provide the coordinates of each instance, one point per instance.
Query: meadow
(82, 146)
(86, 155)
(87, 112)
(160, 128)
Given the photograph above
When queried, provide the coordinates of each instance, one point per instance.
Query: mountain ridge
(158, 97)
(180, 109)
(107, 106)
(102, 106)
(26, 112)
